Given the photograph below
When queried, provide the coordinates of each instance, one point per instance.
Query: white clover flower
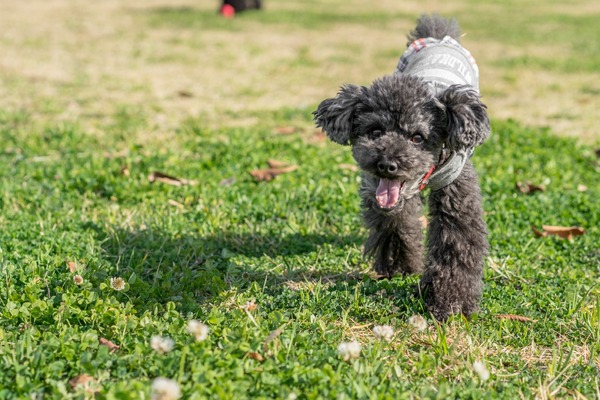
(117, 283)
(197, 329)
(418, 322)
(161, 344)
(384, 332)
(165, 389)
(482, 371)
(78, 279)
(349, 350)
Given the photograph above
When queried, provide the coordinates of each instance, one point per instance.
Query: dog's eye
(417, 138)
(377, 133)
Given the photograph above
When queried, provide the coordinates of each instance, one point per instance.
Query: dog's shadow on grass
(190, 269)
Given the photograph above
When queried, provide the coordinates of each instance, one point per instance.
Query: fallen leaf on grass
(277, 164)
(582, 188)
(84, 380)
(270, 173)
(72, 266)
(255, 356)
(424, 221)
(157, 176)
(529, 187)
(111, 346)
(514, 317)
(565, 232)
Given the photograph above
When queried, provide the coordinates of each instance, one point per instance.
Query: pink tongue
(388, 192)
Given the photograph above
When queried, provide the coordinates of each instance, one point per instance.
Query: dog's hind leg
(452, 281)
(395, 240)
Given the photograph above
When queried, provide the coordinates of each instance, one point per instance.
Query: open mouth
(388, 193)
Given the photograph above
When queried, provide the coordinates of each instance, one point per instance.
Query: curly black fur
(398, 121)
(436, 27)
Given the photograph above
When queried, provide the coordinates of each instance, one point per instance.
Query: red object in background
(227, 11)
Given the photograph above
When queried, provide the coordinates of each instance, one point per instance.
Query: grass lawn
(273, 268)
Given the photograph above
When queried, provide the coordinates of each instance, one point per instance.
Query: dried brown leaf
(575, 230)
(529, 187)
(277, 164)
(537, 232)
(72, 266)
(157, 176)
(424, 221)
(255, 356)
(582, 188)
(565, 232)
(515, 317)
(111, 346)
(270, 173)
(86, 381)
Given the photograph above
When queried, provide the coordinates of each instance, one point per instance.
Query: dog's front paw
(445, 297)
(394, 255)
(389, 268)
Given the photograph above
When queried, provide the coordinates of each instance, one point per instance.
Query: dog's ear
(336, 116)
(466, 117)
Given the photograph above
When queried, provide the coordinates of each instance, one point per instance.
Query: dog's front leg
(395, 239)
(452, 281)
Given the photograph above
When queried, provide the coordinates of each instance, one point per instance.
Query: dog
(414, 130)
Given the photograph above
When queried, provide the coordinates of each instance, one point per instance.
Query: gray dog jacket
(441, 63)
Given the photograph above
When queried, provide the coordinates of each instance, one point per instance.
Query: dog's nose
(388, 167)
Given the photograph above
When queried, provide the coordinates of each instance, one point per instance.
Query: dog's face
(397, 128)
